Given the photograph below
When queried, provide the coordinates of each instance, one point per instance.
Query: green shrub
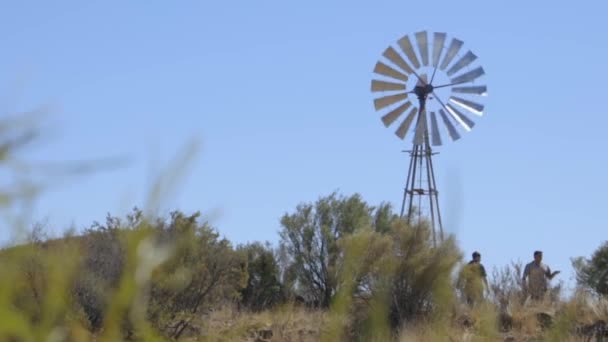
(264, 289)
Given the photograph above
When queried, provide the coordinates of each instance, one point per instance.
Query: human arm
(550, 274)
(484, 276)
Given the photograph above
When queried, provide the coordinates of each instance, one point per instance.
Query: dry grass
(284, 323)
(293, 323)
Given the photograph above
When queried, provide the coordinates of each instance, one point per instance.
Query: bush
(388, 279)
(593, 273)
(201, 272)
(422, 286)
(101, 269)
(263, 289)
(130, 274)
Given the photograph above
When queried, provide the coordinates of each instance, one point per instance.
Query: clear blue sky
(277, 92)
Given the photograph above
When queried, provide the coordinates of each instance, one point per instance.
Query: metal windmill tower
(415, 81)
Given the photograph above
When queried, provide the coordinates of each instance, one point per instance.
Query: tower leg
(424, 190)
(411, 169)
(410, 184)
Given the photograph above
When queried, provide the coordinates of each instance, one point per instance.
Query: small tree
(263, 286)
(593, 273)
(310, 237)
(384, 218)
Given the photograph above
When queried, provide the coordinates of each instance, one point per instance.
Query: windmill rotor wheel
(428, 91)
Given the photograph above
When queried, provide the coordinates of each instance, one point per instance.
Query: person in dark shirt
(473, 279)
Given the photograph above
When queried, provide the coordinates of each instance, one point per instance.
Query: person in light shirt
(536, 277)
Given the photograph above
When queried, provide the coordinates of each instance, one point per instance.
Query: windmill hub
(423, 90)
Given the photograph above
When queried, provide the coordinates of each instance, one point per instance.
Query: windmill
(430, 97)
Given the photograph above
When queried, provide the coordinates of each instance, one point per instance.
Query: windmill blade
(420, 129)
(439, 40)
(394, 114)
(395, 58)
(478, 90)
(405, 125)
(448, 124)
(467, 59)
(435, 136)
(386, 101)
(378, 85)
(406, 47)
(455, 45)
(461, 118)
(469, 76)
(471, 106)
(386, 70)
(423, 46)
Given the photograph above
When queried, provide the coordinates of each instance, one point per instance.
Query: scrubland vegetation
(343, 270)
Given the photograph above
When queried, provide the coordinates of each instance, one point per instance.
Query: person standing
(473, 278)
(536, 277)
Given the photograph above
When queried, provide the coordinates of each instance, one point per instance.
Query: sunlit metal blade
(469, 76)
(394, 114)
(420, 129)
(471, 106)
(461, 118)
(378, 85)
(405, 125)
(448, 124)
(436, 137)
(463, 62)
(386, 101)
(479, 90)
(455, 45)
(423, 46)
(439, 40)
(385, 70)
(395, 58)
(406, 47)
